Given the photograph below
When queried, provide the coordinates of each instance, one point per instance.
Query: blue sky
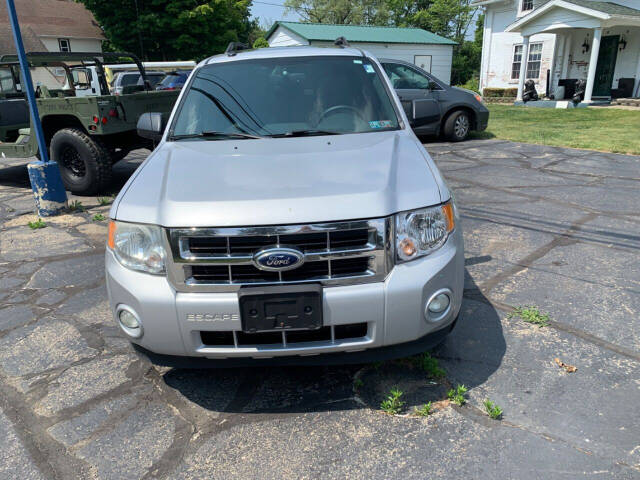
(268, 11)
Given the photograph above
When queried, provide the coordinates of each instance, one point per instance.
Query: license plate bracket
(276, 308)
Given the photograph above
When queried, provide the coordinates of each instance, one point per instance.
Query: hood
(281, 181)
(471, 93)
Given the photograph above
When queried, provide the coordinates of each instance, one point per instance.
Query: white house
(429, 51)
(51, 26)
(564, 41)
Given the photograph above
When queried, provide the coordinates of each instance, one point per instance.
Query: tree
(465, 69)
(448, 18)
(172, 29)
(341, 12)
(260, 42)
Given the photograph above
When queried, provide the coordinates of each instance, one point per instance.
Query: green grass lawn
(604, 129)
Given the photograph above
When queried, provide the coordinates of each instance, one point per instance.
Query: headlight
(138, 247)
(420, 232)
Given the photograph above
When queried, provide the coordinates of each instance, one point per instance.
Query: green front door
(606, 66)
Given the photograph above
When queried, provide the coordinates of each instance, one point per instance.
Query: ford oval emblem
(278, 259)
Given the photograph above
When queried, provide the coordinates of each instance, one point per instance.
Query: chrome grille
(221, 259)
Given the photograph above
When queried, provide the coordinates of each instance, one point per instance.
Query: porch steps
(628, 102)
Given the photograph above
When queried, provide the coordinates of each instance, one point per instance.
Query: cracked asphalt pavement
(552, 227)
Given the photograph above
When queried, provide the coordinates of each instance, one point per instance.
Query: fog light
(438, 305)
(129, 321)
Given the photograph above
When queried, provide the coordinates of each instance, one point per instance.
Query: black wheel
(84, 163)
(457, 126)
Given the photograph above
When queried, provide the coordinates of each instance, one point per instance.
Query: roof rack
(341, 42)
(234, 47)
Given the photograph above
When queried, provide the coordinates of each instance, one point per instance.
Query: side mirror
(151, 126)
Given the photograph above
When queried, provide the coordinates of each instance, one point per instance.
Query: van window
(128, 79)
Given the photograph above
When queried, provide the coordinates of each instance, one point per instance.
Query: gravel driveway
(546, 227)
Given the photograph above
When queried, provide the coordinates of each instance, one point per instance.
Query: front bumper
(393, 311)
(482, 119)
(370, 355)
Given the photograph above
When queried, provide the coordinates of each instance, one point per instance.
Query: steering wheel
(338, 108)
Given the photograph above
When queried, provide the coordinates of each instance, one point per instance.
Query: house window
(64, 44)
(533, 65)
(526, 5)
(535, 56)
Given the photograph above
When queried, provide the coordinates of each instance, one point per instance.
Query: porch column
(567, 52)
(523, 67)
(636, 86)
(593, 63)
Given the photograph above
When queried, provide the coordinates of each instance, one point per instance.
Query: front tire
(457, 126)
(85, 165)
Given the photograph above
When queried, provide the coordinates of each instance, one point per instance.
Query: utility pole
(46, 181)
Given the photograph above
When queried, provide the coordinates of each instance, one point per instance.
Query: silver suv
(288, 214)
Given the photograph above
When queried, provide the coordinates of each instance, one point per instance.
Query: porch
(596, 42)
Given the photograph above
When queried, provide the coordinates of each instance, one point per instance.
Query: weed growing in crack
(457, 395)
(493, 410)
(37, 224)
(98, 217)
(430, 365)
(423, 411)
(104, 201)
(392, 404)
(531, 314)
(76, 206)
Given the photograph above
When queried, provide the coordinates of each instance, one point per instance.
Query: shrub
(260, 42)
(471, 84)
(500, 92)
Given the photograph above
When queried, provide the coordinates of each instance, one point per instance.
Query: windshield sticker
(369, 68)
(359, 62)
(380, 124)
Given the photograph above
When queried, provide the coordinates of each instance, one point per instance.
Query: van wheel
(84, 163)
(457, 126)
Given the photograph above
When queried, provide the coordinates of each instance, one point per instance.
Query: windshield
(280, 96)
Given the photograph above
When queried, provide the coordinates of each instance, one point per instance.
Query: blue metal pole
(46, 181)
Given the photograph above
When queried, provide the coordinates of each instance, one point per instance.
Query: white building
(51, 26)
(429, 51)
(564, 41)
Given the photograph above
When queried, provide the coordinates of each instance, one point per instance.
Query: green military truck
(86, 134)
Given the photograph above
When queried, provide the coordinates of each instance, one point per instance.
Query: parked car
(292, 218)
(174, 80)
(154, 78)
(450, 111)
(132, 79)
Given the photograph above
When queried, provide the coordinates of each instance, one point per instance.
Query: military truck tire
(457, 126)
(84, 163)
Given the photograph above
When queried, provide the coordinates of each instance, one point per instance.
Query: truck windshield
(311, 95)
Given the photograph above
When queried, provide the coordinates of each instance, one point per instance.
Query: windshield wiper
(214, 134)
(304, 133)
